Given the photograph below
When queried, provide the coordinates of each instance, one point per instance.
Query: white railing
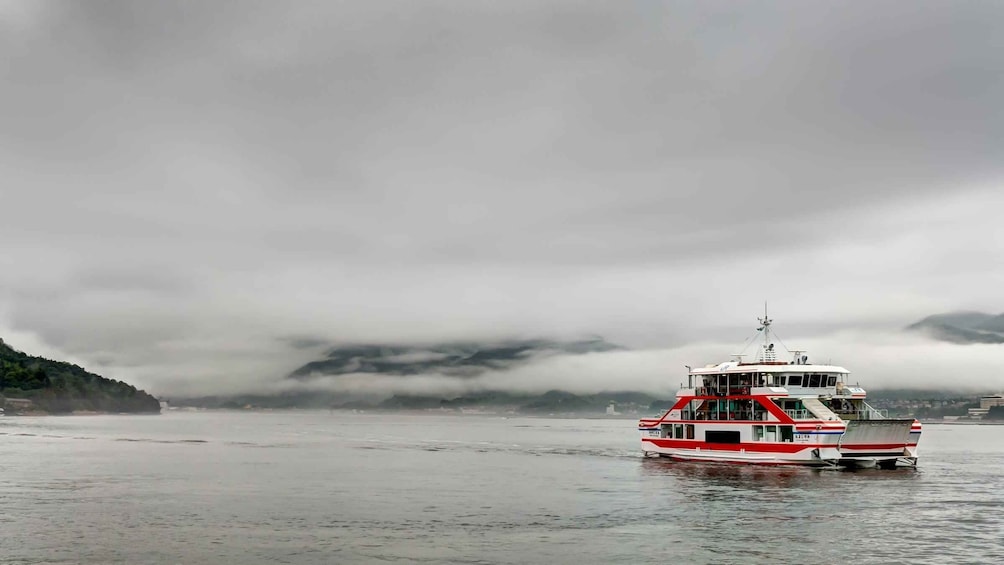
(873, 414)
(868, 413)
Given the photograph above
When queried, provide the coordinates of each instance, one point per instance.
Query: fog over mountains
(532, 372)
(963, 327)
(462, 359)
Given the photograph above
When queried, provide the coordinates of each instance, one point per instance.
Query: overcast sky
(191, 191)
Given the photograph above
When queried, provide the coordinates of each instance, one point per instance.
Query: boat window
(690, 430)
(678, 431)
(667, 430)
(795, 380)
(779, 379)
(831, 380)
(786, 433)
(770, 433)
(814, 380)
(721, 436)
(757, 433)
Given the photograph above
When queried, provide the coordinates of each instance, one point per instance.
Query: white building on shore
(986, 403)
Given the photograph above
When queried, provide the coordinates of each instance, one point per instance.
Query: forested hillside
(59, 388)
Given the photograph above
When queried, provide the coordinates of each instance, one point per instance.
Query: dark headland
(35, 385)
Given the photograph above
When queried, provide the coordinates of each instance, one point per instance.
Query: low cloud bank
(190, 367)
(876, 361)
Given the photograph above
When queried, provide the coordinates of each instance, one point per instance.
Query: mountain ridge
(962, 327)
(461, 359)
(550, 402)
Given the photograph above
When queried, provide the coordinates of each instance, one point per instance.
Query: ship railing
(799, 414)
(723, 391)
(874, 414)
(868, 413)
(715, 416)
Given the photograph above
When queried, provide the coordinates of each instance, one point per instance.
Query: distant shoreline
(39, 413)
(963, 422)
(569, 415)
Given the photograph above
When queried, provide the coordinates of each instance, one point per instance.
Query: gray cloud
(187, 184)
(877, 360)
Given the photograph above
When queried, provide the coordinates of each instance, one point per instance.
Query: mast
(767, 351)
(765, 325)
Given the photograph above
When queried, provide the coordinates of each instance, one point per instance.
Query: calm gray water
(377, 488)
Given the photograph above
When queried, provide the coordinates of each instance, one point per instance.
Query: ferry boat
(775, 412)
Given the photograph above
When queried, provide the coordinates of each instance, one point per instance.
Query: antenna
(765, 328)
(765, 321)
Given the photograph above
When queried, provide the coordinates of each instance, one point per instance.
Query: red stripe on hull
(761, 447)
(738, 462)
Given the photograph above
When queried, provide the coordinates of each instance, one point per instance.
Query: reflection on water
(731, 475)
(766, 476)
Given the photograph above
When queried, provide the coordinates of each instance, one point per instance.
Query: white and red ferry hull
(813, 443)
(820, 455)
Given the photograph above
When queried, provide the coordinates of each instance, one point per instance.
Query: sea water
(320, 487)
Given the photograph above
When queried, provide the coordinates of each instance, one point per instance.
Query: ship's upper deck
(772, 367)
(770, 374)
(781, 379)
